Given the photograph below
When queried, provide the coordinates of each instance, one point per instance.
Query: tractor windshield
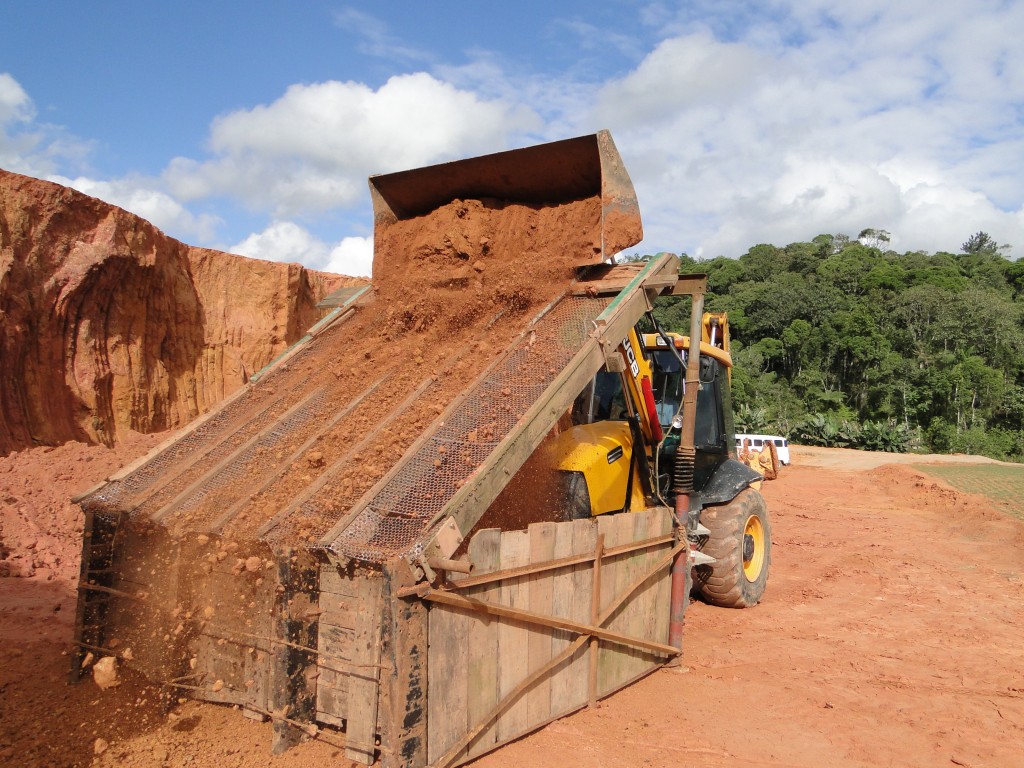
(668, 394)
(668, 385)
(602, 399)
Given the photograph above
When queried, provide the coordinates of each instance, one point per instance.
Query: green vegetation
(841, 342)
(1001, 483)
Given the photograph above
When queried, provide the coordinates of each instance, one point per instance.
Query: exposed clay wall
(108, 325)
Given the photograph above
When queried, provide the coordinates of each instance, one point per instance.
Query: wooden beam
(452, 754)
(364, 689)
(472, 500)
(526, 570)
(456, 749)
(329, 538)
(529, 617)
(212, 472)
(342, 461)
(403, 677)
(689, 285)
(291, 692)
(283, 466)
(111, 591)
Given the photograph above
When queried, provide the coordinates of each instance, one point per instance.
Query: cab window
(667, 385)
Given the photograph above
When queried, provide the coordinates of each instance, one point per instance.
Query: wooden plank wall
(191, 619)
(146, 568)
(339, 606)
(231, 608)
(349, 644)
(474, 660)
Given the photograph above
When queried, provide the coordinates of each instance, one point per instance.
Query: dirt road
(889, 636)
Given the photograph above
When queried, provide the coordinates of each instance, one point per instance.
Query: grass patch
(1003, 484)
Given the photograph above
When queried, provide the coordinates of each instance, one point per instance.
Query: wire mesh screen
(249, 460)
(394, 520)
(163, 477)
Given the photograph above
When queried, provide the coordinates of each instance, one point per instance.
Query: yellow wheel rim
(753, 548)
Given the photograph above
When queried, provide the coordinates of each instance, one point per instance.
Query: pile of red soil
(40, 529)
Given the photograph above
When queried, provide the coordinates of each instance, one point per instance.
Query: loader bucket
(544, 174)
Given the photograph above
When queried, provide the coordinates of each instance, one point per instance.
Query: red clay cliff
(109, 325)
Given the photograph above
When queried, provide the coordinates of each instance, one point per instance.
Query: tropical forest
(842, 342)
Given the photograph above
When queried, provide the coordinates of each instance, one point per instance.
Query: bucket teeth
(699, 558)
(701, 530)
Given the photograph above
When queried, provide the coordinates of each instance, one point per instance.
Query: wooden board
(482, 640)
(364, 680)
(403, 675)
(447, 681)
(541, 596)
(340, 604)
(476, 659)
(513, 638)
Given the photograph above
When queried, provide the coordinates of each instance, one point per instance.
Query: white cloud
(352, 256)
(744, 123)
(312, 149)
(899, 116)
(287, 241)
(15, 105)
(375, 39)
(142, 198)
(27, 146)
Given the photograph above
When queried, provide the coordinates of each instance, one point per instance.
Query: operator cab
(604, 399)
(669, 383)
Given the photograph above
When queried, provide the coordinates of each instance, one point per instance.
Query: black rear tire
(741, 543)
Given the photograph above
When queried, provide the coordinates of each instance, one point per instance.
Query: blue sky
(252, 127)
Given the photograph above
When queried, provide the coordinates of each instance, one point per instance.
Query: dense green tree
(982, 243)
(841, 341)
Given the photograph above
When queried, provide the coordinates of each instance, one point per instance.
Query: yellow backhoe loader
(638, 440)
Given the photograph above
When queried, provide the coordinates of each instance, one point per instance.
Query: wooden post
(364, 679)
(403, 677)
(595, 612)
(292, 690)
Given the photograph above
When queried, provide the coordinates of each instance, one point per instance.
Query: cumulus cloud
(740, 123)
(825, 117)
(352, 256)
(141, 197)
(287, 241)
(27, 146)
(15, 105)
(312, 149)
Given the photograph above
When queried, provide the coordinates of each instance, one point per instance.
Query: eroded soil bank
(109, 326)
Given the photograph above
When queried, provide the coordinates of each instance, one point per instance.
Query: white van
(757, 442)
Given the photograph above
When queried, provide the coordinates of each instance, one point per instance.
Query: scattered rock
(104, 673)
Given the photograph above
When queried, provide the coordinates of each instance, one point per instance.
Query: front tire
(741, 543)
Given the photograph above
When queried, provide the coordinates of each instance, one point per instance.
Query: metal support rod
(680, 588)
(685, 452)
(686, 439)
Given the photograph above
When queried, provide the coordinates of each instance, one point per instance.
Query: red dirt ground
(889, 636)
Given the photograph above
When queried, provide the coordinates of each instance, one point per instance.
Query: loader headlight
(677, 421)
